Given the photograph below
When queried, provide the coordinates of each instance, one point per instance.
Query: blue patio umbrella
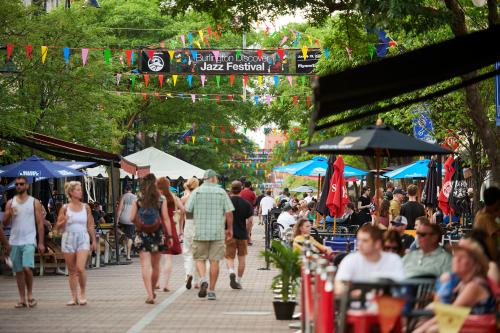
(317, 166)
(417, 169)
(37, 167)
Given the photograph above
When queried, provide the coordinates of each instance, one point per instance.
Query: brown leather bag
(147, 228)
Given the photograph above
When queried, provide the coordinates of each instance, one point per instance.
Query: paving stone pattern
(116, 302)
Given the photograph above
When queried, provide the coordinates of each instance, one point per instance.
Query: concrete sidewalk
(116, 302)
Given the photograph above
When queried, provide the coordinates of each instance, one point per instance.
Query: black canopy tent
(398, 75)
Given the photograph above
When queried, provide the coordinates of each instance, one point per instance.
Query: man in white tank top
(25, 213)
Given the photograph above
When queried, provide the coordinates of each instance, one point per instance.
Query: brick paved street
(116, 303)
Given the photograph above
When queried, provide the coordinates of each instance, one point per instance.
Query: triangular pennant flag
(146, 79)
(308, 98)
(450, 318)
(213, 128)
(310, 40)
(217, 78)
(160, 78)
(186, 139)
(238, 54)
(223, 140)
(268, 100)
(194, 54)
(295, 100)
(132, 85)
(190, 80)
(260, 79)
(304, 51)
(66, 52)
(151, 54)
(174, 78)
(193, 138)
(230, 97)
(256, 99)
(283, 41)
(233, 130)
(107, 55)
(290, 80)
(190, 38)
(44, 49)
(295, 43)
(10, 48)
(327, 53)
(217, 98)
(157, 95)
(216, 139)
(298, 35)
(389, 311)
(171, 54)
(209, 31)
(193, 97)
(259, 54)
(231, 79)
(216, 35)
(276, 81)
(85, 53)
(132, 57)
(216, 55)
(128, 54)
(298, 143)
(200, 32)
(118, 78)
(231, 141)
(317, 43)
(144, 96)
(202, 78)
(282, 100)
(197, 43)
(281, 53)
(29, 50)
(303, 78)
(372, 51)
(183, 40)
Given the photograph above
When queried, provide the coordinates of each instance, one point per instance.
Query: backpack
(144, 226)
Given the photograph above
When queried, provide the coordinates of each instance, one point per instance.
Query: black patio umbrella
(429, 194)
(459, 197)
(321, 206)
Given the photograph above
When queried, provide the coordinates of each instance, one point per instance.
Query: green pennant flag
(372, 52)
(217, 141)
(206, 98)
(281, 100)
(303, 80)
(238, 54)
(132, 78)
(172, 44)
(217, 78)
(107, 55)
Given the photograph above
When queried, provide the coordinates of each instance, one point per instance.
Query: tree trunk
(475, 106)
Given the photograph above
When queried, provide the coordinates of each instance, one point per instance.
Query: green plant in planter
(288, 262)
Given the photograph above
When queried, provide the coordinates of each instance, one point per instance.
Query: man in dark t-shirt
(364, 206)
(412, 209)
(238, 245)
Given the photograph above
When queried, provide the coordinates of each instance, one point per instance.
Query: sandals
(21, 305)
(150, 301)
(166, 290)
(32, 303)
(72, 303)
(83, 302)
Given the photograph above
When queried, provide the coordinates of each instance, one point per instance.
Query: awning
(394, 76)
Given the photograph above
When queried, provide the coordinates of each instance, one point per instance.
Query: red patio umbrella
(337, 194)
(444, 193)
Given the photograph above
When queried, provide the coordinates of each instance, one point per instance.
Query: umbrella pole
(377, 165)
(418, 190)
(334, 224)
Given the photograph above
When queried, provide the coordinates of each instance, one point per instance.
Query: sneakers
(203, 289)
(211, 296)
(233, 283)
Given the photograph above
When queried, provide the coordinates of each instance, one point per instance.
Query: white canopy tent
(160, 164)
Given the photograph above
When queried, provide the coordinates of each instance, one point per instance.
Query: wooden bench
(52, 259)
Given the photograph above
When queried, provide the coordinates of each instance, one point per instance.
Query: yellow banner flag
(174, 78)
(45, 50)
(450, 318)
(389, 311)
(171, 54)
(304, 51)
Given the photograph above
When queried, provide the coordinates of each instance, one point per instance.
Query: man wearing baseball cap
(400, 224)
(395, 208)
(212, 210)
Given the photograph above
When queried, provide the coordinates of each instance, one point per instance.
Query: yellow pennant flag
(171, 54)
(45, 49)
(304, 51)
(240, 141)
(310, 40)
(197, 44)
(169, 94)
(200, 32)
(450, 318)
(193, 138)
(260, 78)
(174, 78)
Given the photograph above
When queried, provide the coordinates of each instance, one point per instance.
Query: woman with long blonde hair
(173, 203)
(189, 263)
(150, 216)
(75, 218)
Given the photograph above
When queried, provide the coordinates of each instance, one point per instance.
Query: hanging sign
(308, 64)
(422, 123)
(153, 61)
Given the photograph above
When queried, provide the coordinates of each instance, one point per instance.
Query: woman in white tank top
(75, 218)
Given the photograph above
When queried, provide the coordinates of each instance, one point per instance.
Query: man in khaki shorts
(242, 221)
(212, 210)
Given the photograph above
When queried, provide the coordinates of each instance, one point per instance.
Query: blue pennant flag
(327, 52)
(66, 54)
(256, 98)
(276, 81)
(194, 54)
(190, 80)
(132, 57)
(190, 37)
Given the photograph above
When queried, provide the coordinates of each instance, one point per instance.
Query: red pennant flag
(29, 50)
(187, 139)
(295, 130)
(151, 54)
(259, 54)
(231, 141)
(217, 98)
(205, 39)
(308, 101)
(233, 130)
(245, 80)
(392, 43)
(128, 54)
(281, 53)
(222, 129)
(295, 100)
(389, 312)
(230, 97)
(146, 79)
(209, 30)
(160, 78)
(223, 140)
(216, 35)
(10, 47)
(144, 96)
(317, 43)
(231, 79)
(157, 95)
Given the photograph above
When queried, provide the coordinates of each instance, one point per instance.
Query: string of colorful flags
(234, 129)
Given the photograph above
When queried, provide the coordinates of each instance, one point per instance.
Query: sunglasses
(424, 234)
(20, 184)
(391, 248)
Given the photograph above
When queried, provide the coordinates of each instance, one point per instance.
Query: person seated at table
(430, 259)
(311, 214)
(303, 211)
(383, 215)
(393, 242)
(352, 217)
(369, 262)
(479, 236)
(400, 224)
(466, 285)
(285, 218)
(97, 213)
(301, 230)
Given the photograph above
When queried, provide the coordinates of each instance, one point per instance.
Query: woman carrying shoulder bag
(75, 218)
(148, 213)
